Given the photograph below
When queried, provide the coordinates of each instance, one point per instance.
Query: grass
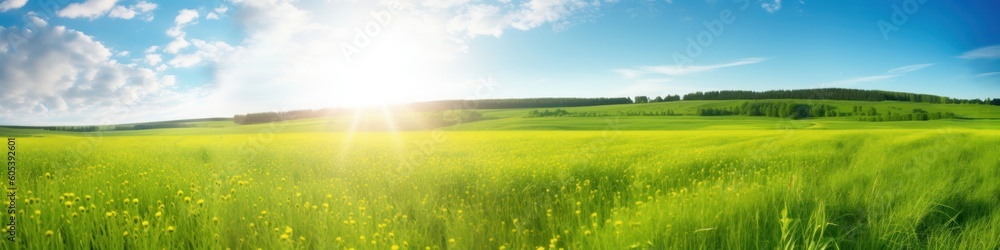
(510, 182)
(732, 189)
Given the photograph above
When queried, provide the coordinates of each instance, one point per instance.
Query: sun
(393, 69)
(404, 61)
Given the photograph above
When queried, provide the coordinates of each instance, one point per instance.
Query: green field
(512, 182)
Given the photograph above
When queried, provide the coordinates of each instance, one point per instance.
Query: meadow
(612, 189)
(515, 182)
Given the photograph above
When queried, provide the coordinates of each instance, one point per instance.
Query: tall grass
(885, 189)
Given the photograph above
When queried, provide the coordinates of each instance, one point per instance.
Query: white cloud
(153, 59)
(478, 20)
(989, 52)
(122, 53)
(89, 9)
(169, 80)
(141, 8)
(60, 73)
(537, 12)
(471, 18)
(185, 61)
(675, 70)
(186, 16)
(987, 74)
(12, 4)
(144, 6)
(217, 13)
(176, 31)
(122, 12)
(275, 17)
(176, 45)
(215, 52)
(772, 7)
(889, 74)
(443, 4)
(909, 68)
(94, 9)
(222, 9)
(644, 86)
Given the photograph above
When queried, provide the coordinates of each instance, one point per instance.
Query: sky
(94, 62)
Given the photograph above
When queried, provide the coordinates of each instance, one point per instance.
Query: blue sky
(111, 61)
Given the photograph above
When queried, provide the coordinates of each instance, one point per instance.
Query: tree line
(667, 98)
(774, 109)
(762, 110)
(916, 115)
(266, 117)
(433, 106)
(795, 110)
(514, 103)
(833, 94)
(668, 112)
(73, 128)
(564, 113)
(115, 127)
(151, 126)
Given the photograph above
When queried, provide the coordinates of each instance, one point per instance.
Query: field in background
(663, 182)
(970, 116)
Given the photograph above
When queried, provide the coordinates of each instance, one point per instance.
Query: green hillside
(969, 116)
(971, 111)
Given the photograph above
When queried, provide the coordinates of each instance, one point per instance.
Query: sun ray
(390, 124)
(351, 130)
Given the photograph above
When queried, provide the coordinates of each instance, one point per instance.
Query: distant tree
(816, 94)
(658, 99)
(641, 99)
